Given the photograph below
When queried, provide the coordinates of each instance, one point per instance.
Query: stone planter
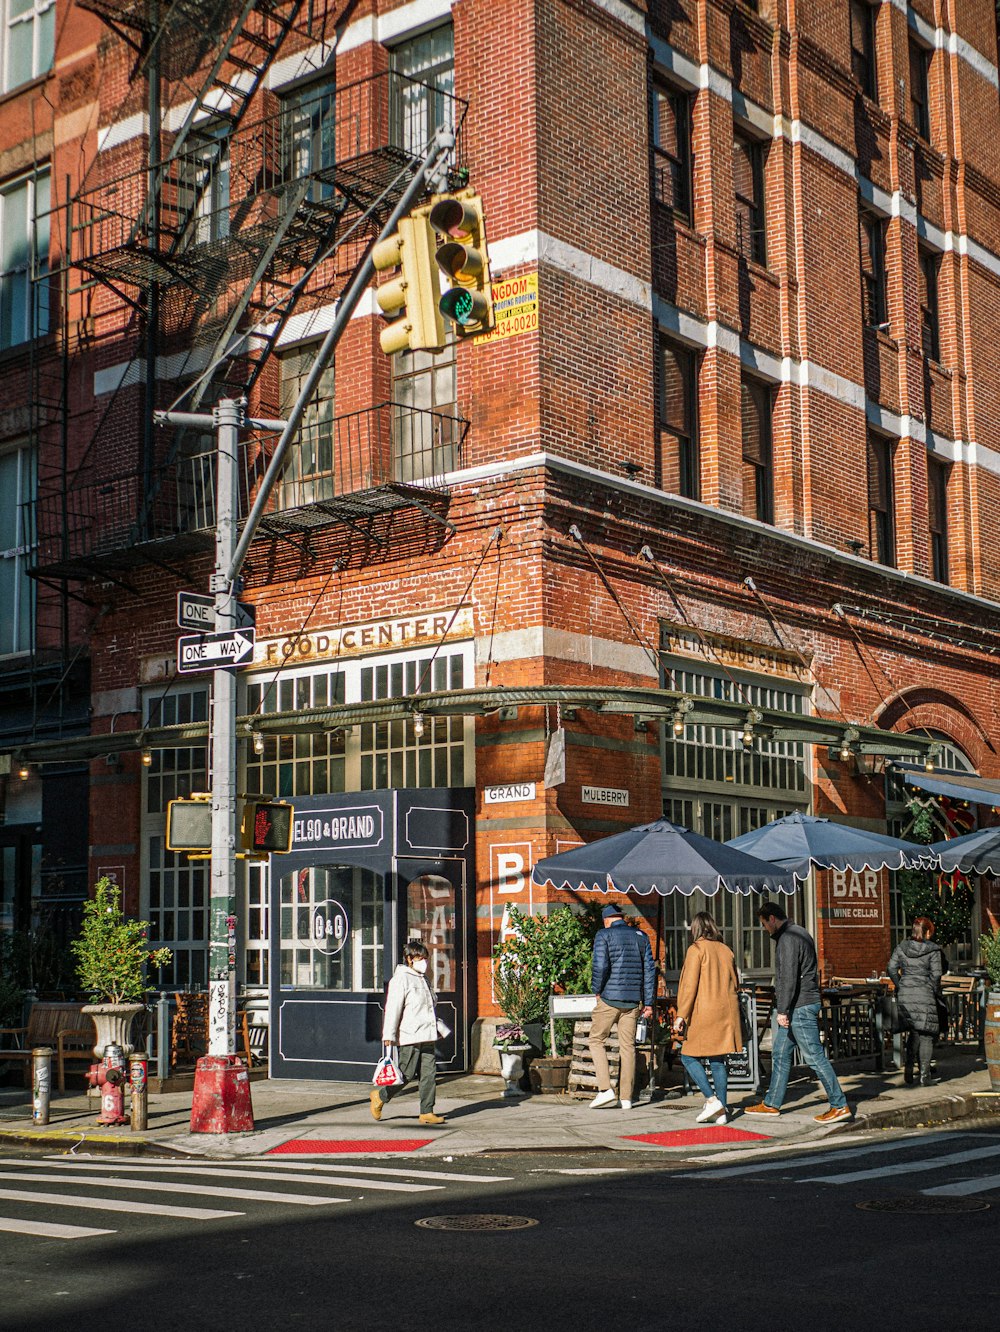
(114, 1025)
(550, 1076)
(512, 1068)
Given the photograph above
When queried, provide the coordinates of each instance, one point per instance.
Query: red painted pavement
(332, 1145)
(697, 1137)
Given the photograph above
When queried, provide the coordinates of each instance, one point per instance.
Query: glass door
(435, 915)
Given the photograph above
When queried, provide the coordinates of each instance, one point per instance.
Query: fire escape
(199, 256)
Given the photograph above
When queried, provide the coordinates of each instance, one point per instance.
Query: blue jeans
(804, 1032)
(695, 1070)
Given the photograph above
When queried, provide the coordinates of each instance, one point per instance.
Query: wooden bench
(58, 1025)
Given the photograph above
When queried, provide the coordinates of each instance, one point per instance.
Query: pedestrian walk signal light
(189, 824)
(267, 827)
(410, 301)
(464, 259)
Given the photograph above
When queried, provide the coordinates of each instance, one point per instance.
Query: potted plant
(111, 960)
(546, 954)
(515, 994)
(989, 948)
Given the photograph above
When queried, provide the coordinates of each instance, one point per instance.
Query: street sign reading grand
(209, 652)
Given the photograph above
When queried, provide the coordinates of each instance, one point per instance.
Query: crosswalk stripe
(907, 1168)
(787, 1162)
(155, 1186)
(354, 1167)
(115, 1205)
(965, 1186)
(50, 1229)
(226, 1172)
(318, 1168)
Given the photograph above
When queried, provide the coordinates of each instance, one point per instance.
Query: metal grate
(925, 1206)
(476, 1221)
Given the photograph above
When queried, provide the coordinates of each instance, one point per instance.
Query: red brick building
(713, 507)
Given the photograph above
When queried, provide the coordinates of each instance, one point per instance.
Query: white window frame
(20, 552)
(42, 39)
(33, 323)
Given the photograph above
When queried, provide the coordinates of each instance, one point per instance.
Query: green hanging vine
(925, 893)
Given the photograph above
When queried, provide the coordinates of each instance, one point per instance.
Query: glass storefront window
(431, 918)
(331, 929)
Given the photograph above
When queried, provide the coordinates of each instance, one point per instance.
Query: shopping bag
(387, 1072)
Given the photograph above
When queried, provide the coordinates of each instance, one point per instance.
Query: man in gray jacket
(796, 1014)
(623, 977)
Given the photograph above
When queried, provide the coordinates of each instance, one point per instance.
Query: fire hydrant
(109, 1075)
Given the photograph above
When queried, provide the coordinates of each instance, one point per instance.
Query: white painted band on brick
(624, 13)
(681, 69)
(410, 18)
(314, 60)
(584, 649)
(112, 136)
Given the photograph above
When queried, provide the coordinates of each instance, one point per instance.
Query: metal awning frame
(646, 704)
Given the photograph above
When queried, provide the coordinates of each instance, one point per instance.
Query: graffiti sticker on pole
(515, 308)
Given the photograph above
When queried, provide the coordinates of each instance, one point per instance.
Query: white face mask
(419, 964)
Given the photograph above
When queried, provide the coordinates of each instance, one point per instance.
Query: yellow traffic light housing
(411, 299)
(464, 258)
(189, 824)
(267, 827)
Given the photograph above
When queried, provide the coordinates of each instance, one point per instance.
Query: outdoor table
(852, 1020)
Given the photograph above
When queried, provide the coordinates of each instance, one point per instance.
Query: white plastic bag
(387, 1072)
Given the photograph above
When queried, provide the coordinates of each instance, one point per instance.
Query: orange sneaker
(762, 1108)
(834, 1114)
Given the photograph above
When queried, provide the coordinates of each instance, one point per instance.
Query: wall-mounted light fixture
(258, 742)
(147, 757)
(418, 724)
(23, 771)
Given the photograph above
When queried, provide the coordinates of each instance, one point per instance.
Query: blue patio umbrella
(799, 841)
(976, 853)
(660, 857)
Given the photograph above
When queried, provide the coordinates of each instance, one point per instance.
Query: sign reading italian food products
(515, 307)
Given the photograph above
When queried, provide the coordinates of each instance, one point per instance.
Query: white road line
(51, 1229)
(384, 1170)
(906, 1167)
(788, 1162)
(114, 1205)
(155, 1186)
(310, 1167)
(965, 1186)
(225, 1172)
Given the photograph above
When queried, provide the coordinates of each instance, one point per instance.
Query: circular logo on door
(329, 926)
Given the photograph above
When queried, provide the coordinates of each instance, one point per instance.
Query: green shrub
(111, 952)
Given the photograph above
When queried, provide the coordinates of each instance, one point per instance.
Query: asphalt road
(757, 1240)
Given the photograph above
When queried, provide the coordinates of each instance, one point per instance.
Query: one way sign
(208, 652)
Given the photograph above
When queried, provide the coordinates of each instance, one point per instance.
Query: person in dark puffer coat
(915, 969)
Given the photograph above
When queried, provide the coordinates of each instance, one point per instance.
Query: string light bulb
(418, 724)
(678, 723)
(258, 743)
(748, 735)
(147, 757)
(23, 771)
(929, 763)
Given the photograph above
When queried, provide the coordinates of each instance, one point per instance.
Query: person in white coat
(411, 1023)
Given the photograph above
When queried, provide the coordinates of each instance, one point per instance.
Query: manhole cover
(476, 1221)
(925, 1206)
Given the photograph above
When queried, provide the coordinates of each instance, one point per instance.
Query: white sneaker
(712, 1107)
(721, 1118)
(625, 1105)
(603, 1098)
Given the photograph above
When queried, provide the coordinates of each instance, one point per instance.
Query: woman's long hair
(704, 927)
(922, 929)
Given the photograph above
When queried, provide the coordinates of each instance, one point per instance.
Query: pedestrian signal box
(267, 827)
(189, 824)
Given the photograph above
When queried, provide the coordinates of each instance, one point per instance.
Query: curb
(70, 1140)
(940, 1110)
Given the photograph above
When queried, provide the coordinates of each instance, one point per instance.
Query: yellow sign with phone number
(515, 307)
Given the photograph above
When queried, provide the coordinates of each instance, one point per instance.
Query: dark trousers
(416, 1061)
(920, 1049)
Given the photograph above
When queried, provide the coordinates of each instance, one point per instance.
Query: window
(863, 18)
(303, 764)
(873, 285)
(748, 182)
(203, 186)
(17, 590)
(677, 421)
(24, 255)
(881, 534)
(756, 408)
(425, 434)
(309, 135)
(929, 263)
(920, 59)
(423, 100)
(27, 43)
(331, 929)
(430, 752)
(309, 473)
(937, 507)
(672, 149)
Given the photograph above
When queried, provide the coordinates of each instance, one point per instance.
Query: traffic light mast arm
(433, 168)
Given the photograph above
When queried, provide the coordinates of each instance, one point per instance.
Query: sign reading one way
(207, 652)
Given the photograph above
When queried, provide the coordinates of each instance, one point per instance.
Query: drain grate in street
(476, 1221)
(925, 1206)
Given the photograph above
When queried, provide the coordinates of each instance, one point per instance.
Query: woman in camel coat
(708, 1015)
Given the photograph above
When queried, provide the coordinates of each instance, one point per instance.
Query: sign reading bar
(604, 795)
(209, 652)
(509, 794)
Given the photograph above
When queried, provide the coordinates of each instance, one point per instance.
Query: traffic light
(465, 259)
(267, 827)
(189, 824)
(411, 299)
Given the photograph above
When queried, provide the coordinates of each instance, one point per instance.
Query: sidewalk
(320, 1118)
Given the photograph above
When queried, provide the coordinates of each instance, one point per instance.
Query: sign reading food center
(389, 635)
(515, 307)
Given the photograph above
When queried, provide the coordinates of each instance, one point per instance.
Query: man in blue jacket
(623, 980)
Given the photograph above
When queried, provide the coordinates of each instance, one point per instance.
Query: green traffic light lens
(458, 305)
